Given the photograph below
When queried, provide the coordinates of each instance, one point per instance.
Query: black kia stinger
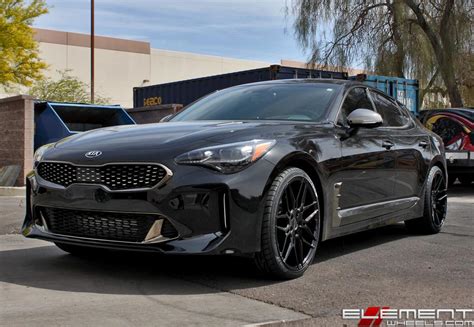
(267, 170)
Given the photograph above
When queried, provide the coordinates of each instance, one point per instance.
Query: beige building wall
(121, 65)
(170, 66)
(116, 72)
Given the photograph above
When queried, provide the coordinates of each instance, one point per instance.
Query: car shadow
(48, 267)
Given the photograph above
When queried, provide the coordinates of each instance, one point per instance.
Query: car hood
(166, 135)
(163, 142)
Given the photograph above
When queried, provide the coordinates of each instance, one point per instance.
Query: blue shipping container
(404, 90)
(55, 120)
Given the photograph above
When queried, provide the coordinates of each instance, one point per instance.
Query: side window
(391, 114)
(356, 98)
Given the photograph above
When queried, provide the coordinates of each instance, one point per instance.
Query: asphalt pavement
(41, 285)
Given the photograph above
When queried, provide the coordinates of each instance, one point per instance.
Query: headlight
(227, 158)
(40, 152)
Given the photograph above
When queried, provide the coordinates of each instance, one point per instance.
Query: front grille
(113, 176)
(129, 227)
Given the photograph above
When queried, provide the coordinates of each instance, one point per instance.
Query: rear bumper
(212, 213)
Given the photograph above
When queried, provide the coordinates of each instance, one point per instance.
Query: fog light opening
(40, 221)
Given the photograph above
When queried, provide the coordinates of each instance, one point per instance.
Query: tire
(435, 205)
(466, 180)
(290, 227)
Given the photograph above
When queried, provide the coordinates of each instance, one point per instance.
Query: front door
(366, 183)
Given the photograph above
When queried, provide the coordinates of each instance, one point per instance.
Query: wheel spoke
(442, 195)
(301, 197)
(310, 244)
(435, 216)
(306, 207)
(283, 216)
(288, 251)
(440, 211)
(297, 253)
(283, 229)
(292, 196)
(439, 181)
(300, 251)
(309, 231)
(311, 216)
(434, 186)
(287, 236)
(287, 200)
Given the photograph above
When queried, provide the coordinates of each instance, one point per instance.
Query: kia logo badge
(93, 154)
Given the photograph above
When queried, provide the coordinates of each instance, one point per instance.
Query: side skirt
(356, 219)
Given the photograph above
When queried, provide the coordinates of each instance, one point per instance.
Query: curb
(12, 191)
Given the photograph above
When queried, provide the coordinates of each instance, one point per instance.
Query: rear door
(410, 146)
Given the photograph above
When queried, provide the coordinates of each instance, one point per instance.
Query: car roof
(344, 82)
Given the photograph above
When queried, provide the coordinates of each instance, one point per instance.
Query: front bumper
(212, 213)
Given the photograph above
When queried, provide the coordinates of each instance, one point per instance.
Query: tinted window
(356, 99)
(391, 114)
(292, 101)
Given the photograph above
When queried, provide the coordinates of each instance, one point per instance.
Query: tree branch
(355, 27)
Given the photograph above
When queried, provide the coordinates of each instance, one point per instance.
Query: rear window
(392, 116)
(298, 101)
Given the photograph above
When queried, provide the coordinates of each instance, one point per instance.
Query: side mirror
(364, 118)
(166, 118)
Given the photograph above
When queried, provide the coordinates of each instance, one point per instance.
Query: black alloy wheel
(435, 205)
(439, 199)
(291, 225)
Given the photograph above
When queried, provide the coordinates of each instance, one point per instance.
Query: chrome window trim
(169, 174)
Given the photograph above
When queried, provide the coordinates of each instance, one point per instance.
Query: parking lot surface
(41, 285)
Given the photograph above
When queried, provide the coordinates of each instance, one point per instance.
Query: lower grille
(128, 227)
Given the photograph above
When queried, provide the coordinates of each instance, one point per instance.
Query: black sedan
(267, 170)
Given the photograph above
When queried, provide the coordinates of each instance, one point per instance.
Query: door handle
(387, 144)
(423, 144)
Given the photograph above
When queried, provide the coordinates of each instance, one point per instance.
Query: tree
(427, 40)
(66, 89)
(19, 59)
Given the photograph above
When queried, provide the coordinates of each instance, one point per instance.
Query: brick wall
(16, 133)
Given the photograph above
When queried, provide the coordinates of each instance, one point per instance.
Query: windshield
(290, 101)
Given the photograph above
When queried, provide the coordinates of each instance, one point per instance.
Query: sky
(245, 29)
